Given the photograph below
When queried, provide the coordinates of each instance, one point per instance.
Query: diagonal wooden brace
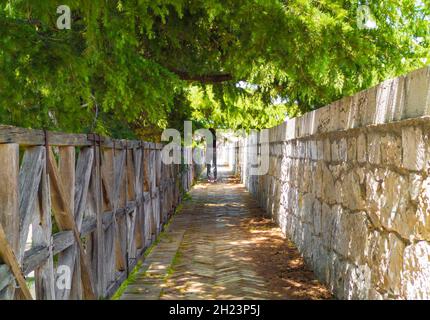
(65, 221)
(9, 258)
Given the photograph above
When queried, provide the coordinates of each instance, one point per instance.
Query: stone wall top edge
(401, 98)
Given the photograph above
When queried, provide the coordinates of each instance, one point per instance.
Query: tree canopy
(131, 68)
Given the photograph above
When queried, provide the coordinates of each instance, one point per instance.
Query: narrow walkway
(220, 246)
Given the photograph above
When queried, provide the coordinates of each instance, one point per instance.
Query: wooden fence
(78, 211)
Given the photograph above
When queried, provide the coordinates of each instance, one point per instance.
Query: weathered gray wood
(83, 175)
(65, 221)
(121, 243)
(29, 180)
(108, 173)
(88, 225)
(117, 261)
(119, 169)
(6, 276)
(108, 215)
(129, 241)
(148, 222)
(37, 137)
(120, 237)
(67, 257)
(146, 170)
(134, 228)
(8, 257)
(42, 236)
(118, 209)
(32, 137)
(62, 240)
(34, 258)
(9, 207)
(98, 245)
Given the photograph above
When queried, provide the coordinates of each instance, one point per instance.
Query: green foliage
(130, 68)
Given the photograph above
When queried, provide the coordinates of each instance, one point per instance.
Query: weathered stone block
(417, 93)
(389, 100)
(391, 150)
(370, 106)
(328, 189)
(313, 150)
(328, 225)
(359, 234)
(374, 148)
(413, 148)
(352, 192)
(351, 149)
(339, 150)
(387, 198)
(361, 148)
(339, 114)
(327, 150)
(416, 271)
(386, 259)
(316, 218)
(341, 234)
(322, 119)
(317, 184)
(422, 226)
(358, 282)
(356, 112)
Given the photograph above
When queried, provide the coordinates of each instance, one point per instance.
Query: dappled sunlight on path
(221, 247)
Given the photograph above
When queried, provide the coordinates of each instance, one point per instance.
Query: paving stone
(205, 253)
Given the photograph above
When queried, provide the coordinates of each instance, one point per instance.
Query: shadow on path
(220, 246)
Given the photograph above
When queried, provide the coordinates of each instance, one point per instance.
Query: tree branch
(206, 78)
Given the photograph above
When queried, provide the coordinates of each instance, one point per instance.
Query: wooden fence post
(100, 282)
(42, 236)
(9, 210)
(66, 258)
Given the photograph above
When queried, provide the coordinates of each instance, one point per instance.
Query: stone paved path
(208, 252)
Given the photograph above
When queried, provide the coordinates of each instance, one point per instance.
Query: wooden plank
(107, 171)
(66, 172)
(28, 137)
(146, 170)
(62, 240)
(9, 205)
(121, 243)
(120, 199)
(109, 259)
(42, 232)
(148, 223)
(131, 175)
(88, 225)
(83, 175)
(29, 181)
(98, 246)
(34, 258)
(6, 277)
(33, 137)
(82, 181)
(67, 257)
(8, 257)
(113, 234)
(65, 221)
(138, 183)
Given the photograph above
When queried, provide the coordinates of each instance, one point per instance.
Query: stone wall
(349, 184)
